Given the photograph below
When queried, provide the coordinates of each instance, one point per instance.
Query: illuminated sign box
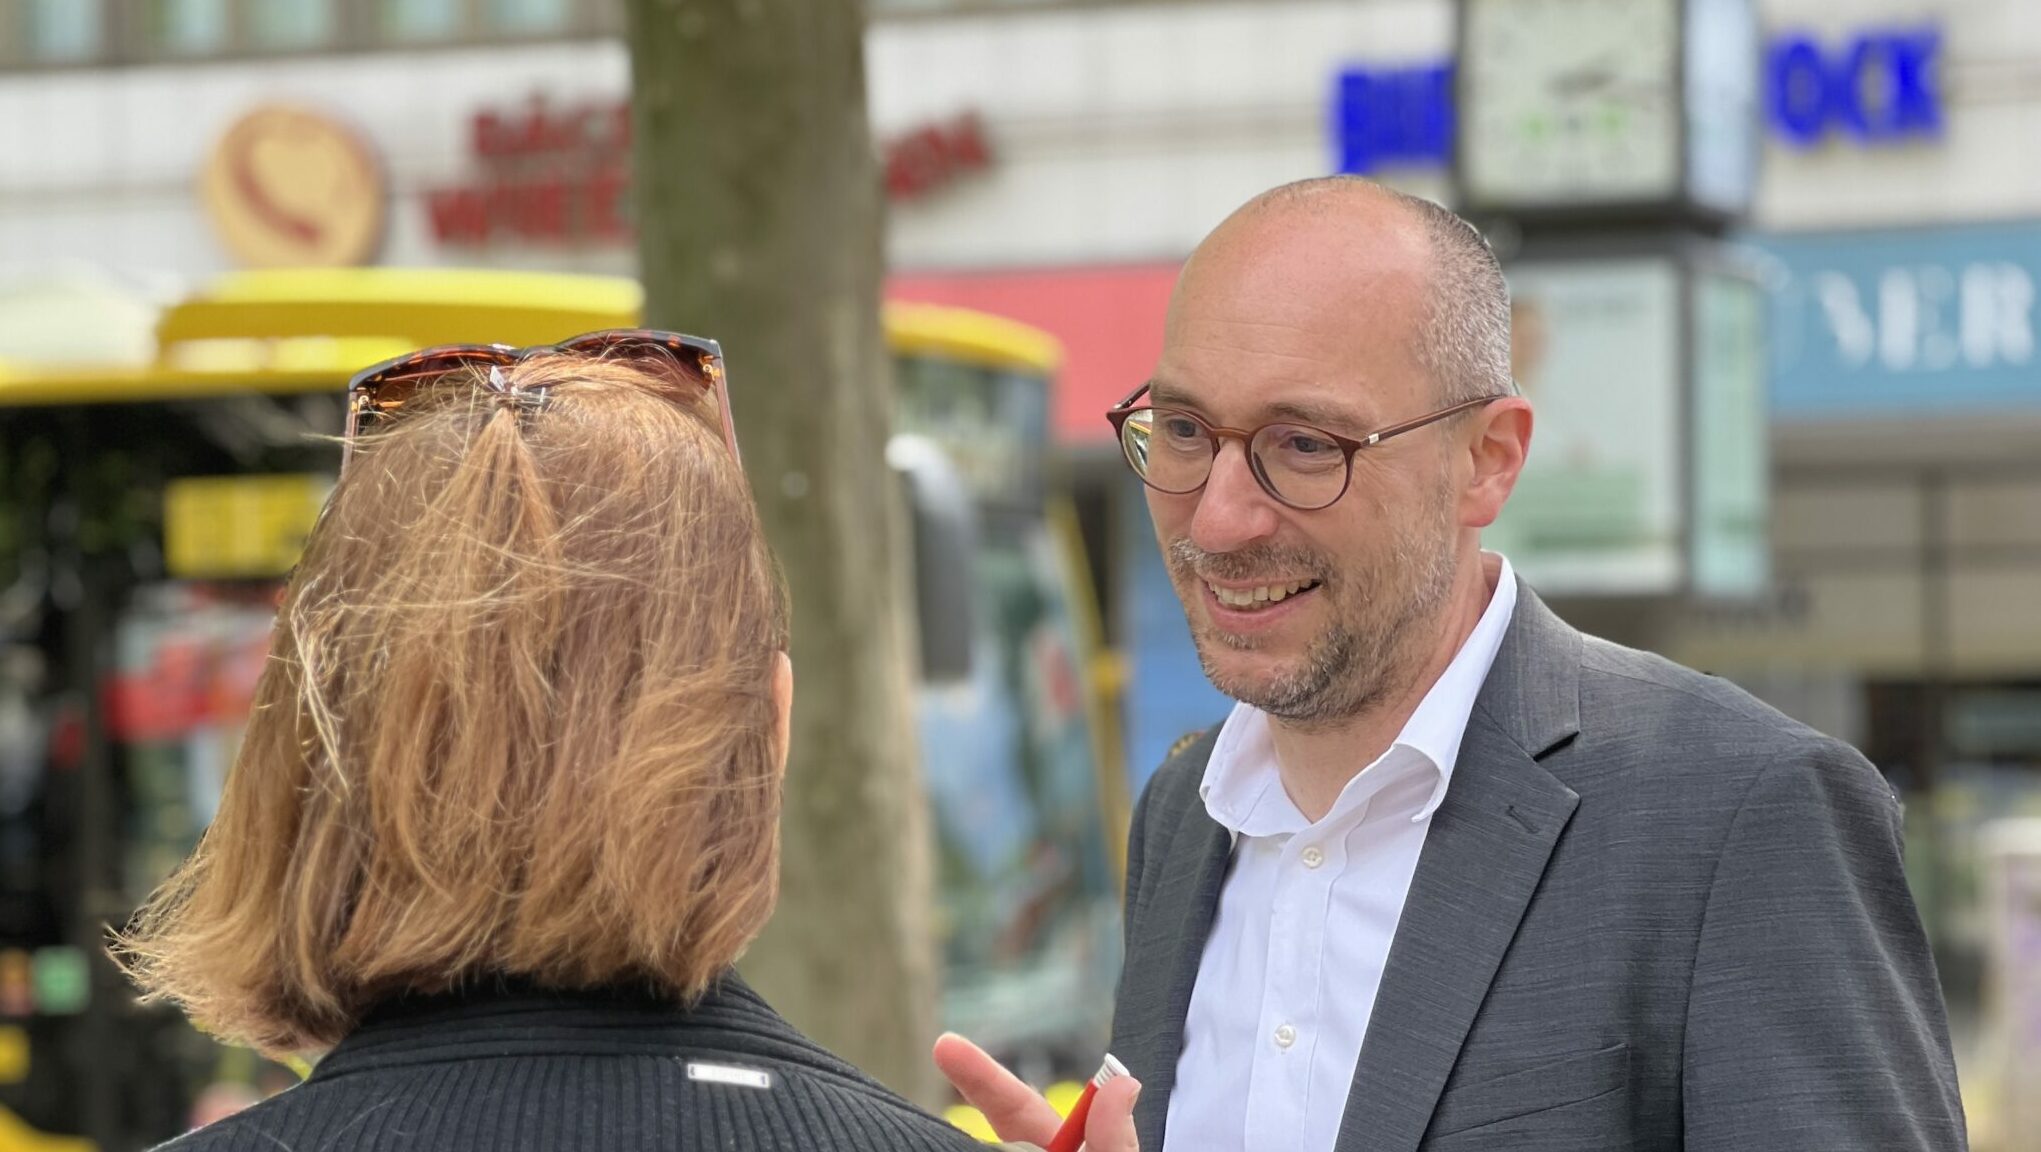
(1648, 473)
(1912, 322)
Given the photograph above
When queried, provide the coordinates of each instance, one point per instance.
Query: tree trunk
(759, 215)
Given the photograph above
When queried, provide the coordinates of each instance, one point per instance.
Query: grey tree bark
(759, 212)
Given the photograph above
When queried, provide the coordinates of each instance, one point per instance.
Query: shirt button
(1313, 856)
(1285, 1036)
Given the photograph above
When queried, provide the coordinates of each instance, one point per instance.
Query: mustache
(1252, 563)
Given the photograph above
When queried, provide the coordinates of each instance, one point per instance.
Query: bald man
(1453, 875)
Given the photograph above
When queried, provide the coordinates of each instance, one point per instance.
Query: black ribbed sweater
(526, 1071)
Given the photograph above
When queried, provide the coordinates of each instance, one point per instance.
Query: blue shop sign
(1920, 322)
(1393, 118)
(1878, 87)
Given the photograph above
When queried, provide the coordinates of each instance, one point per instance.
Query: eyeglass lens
(1173, 452)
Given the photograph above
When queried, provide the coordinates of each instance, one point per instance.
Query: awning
(1108, 318)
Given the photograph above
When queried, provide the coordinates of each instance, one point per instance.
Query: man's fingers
(1015, 1111)
(1110, 1127)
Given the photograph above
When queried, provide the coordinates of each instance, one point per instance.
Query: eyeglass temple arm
(1136, 394)
(1394, 430)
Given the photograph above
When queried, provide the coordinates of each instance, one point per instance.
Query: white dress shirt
(1288, 979)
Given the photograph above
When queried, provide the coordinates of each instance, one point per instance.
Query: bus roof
(306, 330)
(974, 337)
(418, 306)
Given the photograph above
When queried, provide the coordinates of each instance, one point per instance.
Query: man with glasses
(1453, 875)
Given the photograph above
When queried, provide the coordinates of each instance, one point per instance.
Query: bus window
(1029, 906)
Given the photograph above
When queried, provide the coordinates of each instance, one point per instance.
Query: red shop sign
(561, 174)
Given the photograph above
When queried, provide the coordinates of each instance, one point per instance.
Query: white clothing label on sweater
(729, 1074)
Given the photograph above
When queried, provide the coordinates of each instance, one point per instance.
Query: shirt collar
(1242, 789)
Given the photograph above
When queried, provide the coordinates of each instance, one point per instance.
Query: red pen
(1070, 1137)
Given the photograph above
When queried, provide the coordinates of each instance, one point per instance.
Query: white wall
(103, 165)
(1127, 133)
(1986, 167)
(1122, 133)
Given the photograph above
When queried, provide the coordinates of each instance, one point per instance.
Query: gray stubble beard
(1353, 666)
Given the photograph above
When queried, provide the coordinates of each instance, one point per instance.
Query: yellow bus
(149, 512)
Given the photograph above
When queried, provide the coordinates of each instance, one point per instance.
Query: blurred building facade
(1055, 162)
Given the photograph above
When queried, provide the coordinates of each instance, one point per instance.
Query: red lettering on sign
(541, 211)
(923, 160)
(460, 216)
(489, 135)
(561, 174)
(606, 206)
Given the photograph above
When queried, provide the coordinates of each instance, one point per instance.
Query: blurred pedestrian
(507, 809)
(1453, 875)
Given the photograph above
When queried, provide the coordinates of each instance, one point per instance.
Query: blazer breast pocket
(1551, 1086)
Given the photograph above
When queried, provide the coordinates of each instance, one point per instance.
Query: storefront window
(62, 31)
(291, 24)
(412, 21)
(189, 27)
(527, 15)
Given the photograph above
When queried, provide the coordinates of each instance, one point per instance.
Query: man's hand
(1019, 1114)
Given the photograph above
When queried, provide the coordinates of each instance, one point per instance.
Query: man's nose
(1233, 509)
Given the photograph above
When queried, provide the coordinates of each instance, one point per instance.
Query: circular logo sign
(286, 186)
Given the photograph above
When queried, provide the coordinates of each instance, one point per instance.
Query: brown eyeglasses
(381, 391)
(1302, 467)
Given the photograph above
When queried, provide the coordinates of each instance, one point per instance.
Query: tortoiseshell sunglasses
(378, 392)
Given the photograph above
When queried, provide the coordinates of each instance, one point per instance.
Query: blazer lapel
(1483, 857)
(1194, 872)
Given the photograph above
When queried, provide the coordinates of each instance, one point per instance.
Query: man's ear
(1499, 442)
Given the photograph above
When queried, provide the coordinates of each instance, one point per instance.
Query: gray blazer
(1652, 913)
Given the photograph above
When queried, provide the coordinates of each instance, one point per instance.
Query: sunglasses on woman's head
(381, 391)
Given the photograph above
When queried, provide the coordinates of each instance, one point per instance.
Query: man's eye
(1305, 444)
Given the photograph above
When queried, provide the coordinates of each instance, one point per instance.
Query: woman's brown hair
(518, 722)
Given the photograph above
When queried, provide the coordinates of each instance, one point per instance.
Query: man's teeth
(1265, 594)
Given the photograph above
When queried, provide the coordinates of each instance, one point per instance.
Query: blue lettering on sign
(1393, 117)
(1878, 87)
(1881, 88)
